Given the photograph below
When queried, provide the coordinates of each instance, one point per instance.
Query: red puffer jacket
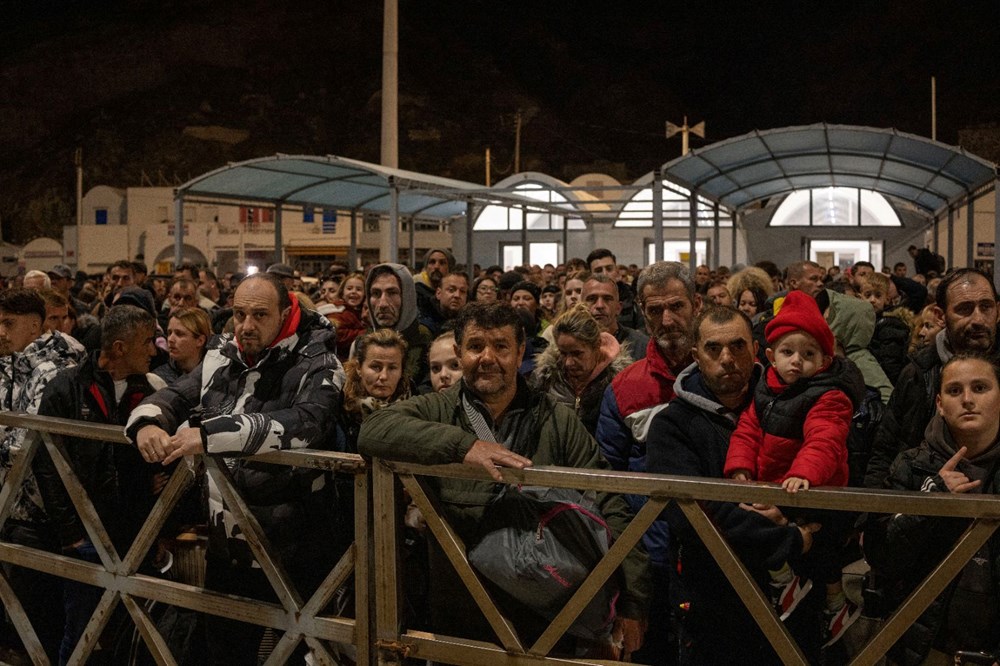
(819, 457)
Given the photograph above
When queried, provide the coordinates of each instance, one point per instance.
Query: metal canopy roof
(744, 170)
(334, 182)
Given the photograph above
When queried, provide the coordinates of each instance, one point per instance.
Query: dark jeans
(38, 592)
(79, 602)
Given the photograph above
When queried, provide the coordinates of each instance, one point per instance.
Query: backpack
(538, 545)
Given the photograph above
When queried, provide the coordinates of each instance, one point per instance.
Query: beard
(674, 343)
(975, 338)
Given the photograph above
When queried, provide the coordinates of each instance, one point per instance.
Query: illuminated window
(835, 207)
(638, 212)
(502, 218)
(512, 254)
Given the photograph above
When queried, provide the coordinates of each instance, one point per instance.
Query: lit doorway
(679, 251)
(512, 254)
(845, 253)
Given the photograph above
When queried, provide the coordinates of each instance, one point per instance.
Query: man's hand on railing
(152, 442)
(490, 456)
(774, 514)
(156, 445)
(186, 442)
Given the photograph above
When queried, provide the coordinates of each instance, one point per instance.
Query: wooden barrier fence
(376, 631)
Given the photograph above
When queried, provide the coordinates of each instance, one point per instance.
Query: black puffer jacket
(889, 345)
(910, 408)
(87, 393)
(285, 400)
(903, 549)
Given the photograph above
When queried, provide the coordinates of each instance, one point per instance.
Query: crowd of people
(803, 377)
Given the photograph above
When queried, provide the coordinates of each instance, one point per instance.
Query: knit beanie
(799, 312)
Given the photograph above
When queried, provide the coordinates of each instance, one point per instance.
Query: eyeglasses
(483, 289)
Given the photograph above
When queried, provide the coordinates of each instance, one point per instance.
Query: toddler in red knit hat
(795, 433)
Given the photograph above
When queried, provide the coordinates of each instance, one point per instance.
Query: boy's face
(796, 356)
(874, 296)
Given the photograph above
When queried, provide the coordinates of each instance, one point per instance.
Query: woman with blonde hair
(376, 377)
(579, 365)
(188, 333)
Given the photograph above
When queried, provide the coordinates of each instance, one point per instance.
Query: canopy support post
(693, 235)
(279, 251)
(715, 236)
(470, 210)
(951, 236)
(178, 230)
(525, 257)
(970, 233)
(658, 215)
(736, 217)
(393, 222)
(996, 229)
(413, 244)
(352, 251)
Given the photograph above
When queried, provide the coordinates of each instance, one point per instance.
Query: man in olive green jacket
(534, 429)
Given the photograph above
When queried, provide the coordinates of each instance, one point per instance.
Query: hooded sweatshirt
(853, 324)
(416, 335)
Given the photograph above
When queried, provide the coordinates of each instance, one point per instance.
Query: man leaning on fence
(29, 358)
(272, 385)
(103, 388)
(439, 428)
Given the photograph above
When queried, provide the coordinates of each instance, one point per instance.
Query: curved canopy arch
(748, 169)
(637, 210)
(546, 189)
(835, 207)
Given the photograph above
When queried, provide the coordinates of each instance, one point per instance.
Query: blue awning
(747, 169)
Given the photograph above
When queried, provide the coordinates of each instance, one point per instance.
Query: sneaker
(839, 621)
(786, 596)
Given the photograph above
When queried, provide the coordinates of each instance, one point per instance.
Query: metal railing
(298, 618)
(377, 630)
(688, 492)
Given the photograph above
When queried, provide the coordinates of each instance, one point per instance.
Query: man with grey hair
(669, 303)
(37, 280)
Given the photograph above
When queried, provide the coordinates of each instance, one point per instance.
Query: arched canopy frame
(344, 184)
(748, 169)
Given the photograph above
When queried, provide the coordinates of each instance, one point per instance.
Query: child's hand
(741, 475)
(794, 484)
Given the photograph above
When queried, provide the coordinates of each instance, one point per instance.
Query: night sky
(594, 82)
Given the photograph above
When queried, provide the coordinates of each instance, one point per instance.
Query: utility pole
(78, 163)
(487, 166)
(390, 84)
(684, 131)
(517, 142)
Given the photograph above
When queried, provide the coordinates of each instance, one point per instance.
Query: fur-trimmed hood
(613, 355)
